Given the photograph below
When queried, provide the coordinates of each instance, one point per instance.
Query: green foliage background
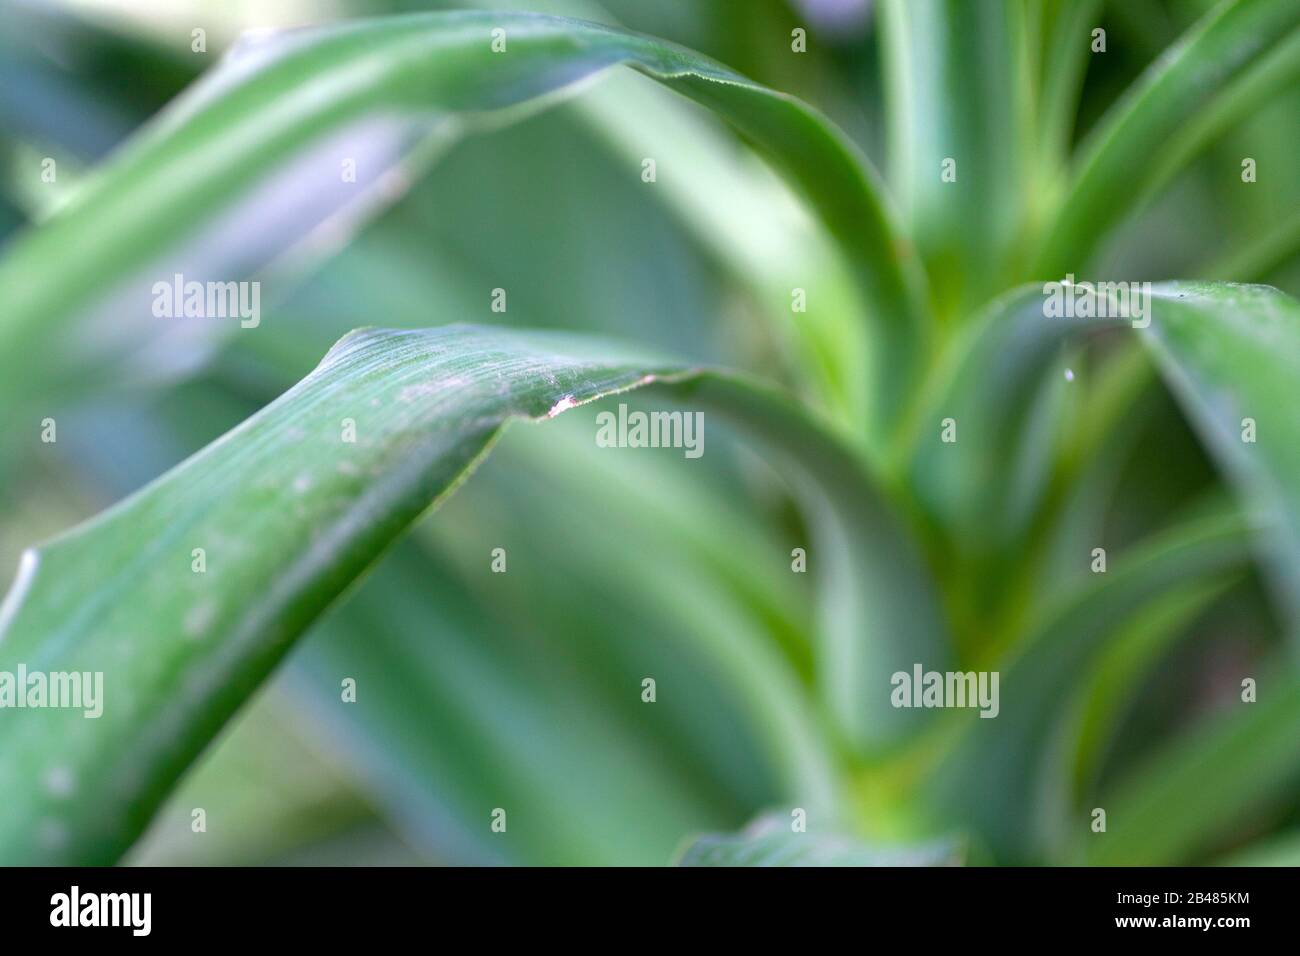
(522, 690)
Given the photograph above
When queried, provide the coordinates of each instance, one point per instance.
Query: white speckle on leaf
(563, 405)
(410, 393)
(1069, 375)
(302, 483)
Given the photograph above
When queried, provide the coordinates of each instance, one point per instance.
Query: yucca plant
(926, 462)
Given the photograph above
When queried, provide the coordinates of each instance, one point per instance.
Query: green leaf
(1221, 56)
(879, 608)
(771, 841)
(742, 217)
(1065, 37)
(78, 86)
(1107, 694)
(999, 391)
(681, 587)
(11, 219)
(957, 78)
(263, 787)
(1202, 787)
(1104, 698)
(1117, 411)
(1279, 851)
(459, 712)
(288, 513)
(373, 90)
(1228, 352)
(992, 382)
(1232, 353)
(1253, 260)
(993, 778)
(464, 673)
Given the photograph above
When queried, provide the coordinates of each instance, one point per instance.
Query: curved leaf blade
(992, 779)
(1231, 353)
(285, 507)
(1201, 787)
(298, 104)
(1219, 56)
(288, 512)
(991, 384)
(879, 611)
(958, 80)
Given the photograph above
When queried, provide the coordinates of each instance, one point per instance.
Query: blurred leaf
(1253, 260)
(994, 777)
(458, 713)
(1065, 35)
(957, 78)
(1113, 418)
(79, 84)
(679, 590)
(1104, 698)
(743, 218)
(771, 841)
(339, 90)
(11, 218)
(1232, 353)
(263, 790)
(737, 210)
(1279, 851)
(1110, 689)
(983, 486)
(879, 609)
(1001, 384)
(1218, 57)
(1265, 84)
(480, 690)
(1203, 786)
(980, 490)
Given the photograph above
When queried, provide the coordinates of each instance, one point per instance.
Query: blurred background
(521, 690)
